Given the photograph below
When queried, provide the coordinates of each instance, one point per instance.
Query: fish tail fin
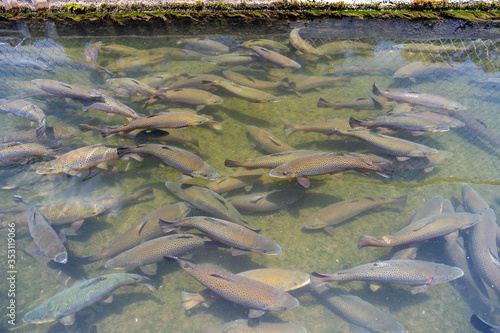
(166, 226)
(147, 281)
(232, 163)
(106, 131)
(323, 104)
(215, 125)
(123, 152)
(190, 300)
(376, 90)
(377, 104)
(401, 201)
(84, 127)
(385, 169)
(285, 82)
(19, 199)
(40, 130)
(355, 123)
(367, 241)
(318, 279)
(288, 129)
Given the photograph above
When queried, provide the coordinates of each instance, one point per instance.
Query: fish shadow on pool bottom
(245, 118)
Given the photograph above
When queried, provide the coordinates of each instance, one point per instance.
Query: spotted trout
(416, 273)
(63, 305)
(16, 152)
(26, 110)
(253, 294)
(266, 141)
(269, 161)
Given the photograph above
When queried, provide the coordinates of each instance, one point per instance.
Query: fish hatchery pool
(321, 73)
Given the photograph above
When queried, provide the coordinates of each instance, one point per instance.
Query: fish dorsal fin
(423, 225)
(418, 289)
(254, 313)
(274, 141)
(68, 320)
(228, 279)
(149, 269)
(92, 282)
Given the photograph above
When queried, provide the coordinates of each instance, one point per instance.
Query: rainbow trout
(266, 141)
(26, 110)
(327, 163)
(148, 253)
(256, 295)
(63, 305)
(191, 165)
(239, 238)
(416, 273)
(339, 212)
(43, 234)
(426, 228)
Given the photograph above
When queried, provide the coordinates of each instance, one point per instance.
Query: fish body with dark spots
(200, 98)
(327, 163)
(182, 160)
(416, 273)
(415, 124)
(253, 294)
(267, 141)
(238, 237)
(26, 110)
(236, 180)
(148, 253)
(324, 127)
(426, 228)
(75, 162)
(339, 212)
(63, 305)
(450, 121)
(15, 153)
(268, 161)
(266, 201)
(251, 95)
(43, 234)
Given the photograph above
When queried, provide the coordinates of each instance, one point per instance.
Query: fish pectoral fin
(417, 133)
(402, 158)
(217, 276)
(68, 320)
(329, 230)
(254, 313)
(418, 289)
(237, 252)
(149, 269)
(73, 229)
(257, 198)
(374, 286)
(248, 188)
(429, 169)
(107, 299)
(304, 181)
(184, 178)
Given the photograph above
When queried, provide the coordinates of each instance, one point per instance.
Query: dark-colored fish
(239, 238)
(63, 305)
(256, 295)
(363, 103)
(191, 165)
(356, 311)
(268, 161)
(342, 211)
(426, 228)
(416, 273)
(323, 127)
(148, 253)
(266, 201)
(266, 141)
(43, 234)
(327, 163)
(26, 110)
(207, 201)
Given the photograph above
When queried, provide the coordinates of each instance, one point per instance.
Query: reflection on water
(288, 75)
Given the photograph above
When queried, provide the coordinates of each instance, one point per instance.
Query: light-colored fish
(135, 63)
(193, 81)
(327, 163)
(232, 59)
(435, 48)
(450, 121)
(323, 127)
(477, 128)
(159, 120)
(112, 106)
(266, 201)
(340, 212)
(426, 228)
(207, 201)
(275, 57)
(200, 98)
(62, 89)
(416, 273)
(204, 45)
(148, 253)
(252, 82)
(63, 305)
(345, 47)
(175, 53)
(236, 180)
(239, 238)
(191, 165)
(302, 83)
(421, 70)
(256, 295)
(268, 44)
(417, 98)
(268, 161)
(76, 162)
(251, 95)
(18, 152)
(133, 85)
(26, 110)
(266, 141)
(300, 44)
(43, 234)
(363, 103)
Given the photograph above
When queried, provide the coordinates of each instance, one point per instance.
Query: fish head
(206, 173)
(41, 314)
(214, 100)
(285, 301)
(445, 274)
(277, 172)
(61, 258)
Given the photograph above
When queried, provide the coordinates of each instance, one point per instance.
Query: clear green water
(440, 309)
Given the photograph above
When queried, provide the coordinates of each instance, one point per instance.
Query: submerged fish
(266, 201)
(417, 98)
(342, 47)
(268, 161)
(339, 212)
(243, 325)
(26, 110)
(200, 98)
(363, 103)
(112, 106)
(426, 228)
(256, 295)
(283, 279)
(307, 82)
(63, 305)
(357, 312)
(267, 141)
(173, 135)
(251, 95)
(275, 57)
(191, 165)
(148, 253)
(15, 152)
(255, 83)
(133, 85)
(236, 180)
(472, 201)
(75, 162)
(67, 90)
(301, 45)
(239, 238)
(327, 163)
(30, 136)
(232, 59)
(323, 127)
(416, 273)
(43, 234)
(207, 201)
(267, 43)
(477, 128)
(204, 45)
